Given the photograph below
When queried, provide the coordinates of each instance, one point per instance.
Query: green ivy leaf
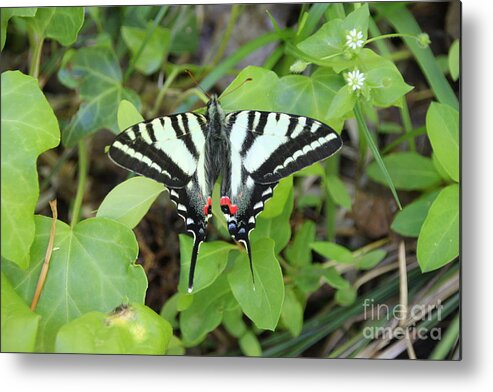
(212, 260)
(342, 103)
(129, 201)
(408, 170)
(297, 253)
(128, 115)
(438, 241)
(332, 251)
(96, 72)
(19, 323)
(292, 312)
(408, 222)
(32, 130)
(92, 269)
(326, 42)
(309, 96)
(59, 23)
(454, 60)
(258, 94)
(155, 50)
(129, 329)
(337, 191)
(442, 126)
(8, 13)
(262, 305)
(206, 312)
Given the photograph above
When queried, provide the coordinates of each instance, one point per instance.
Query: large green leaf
(155, 50)
(129, 201)
(95, 71)
(262, 303)
(408, 170)
(29, 127)
(8, 13)
(19, 323)
(442, 126)
(212, 260)
(59, 23)
(205, 313)
(257, 94)
(408, 222)
(438, 241)
(129, 329)
(92, 269)
(309, 96)
(281, 195)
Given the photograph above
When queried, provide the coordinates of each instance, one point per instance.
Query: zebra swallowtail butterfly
(251, 150)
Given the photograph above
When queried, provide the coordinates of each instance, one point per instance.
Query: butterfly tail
(246, 242)
(195, 251)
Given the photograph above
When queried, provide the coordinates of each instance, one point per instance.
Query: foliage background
(85, 101)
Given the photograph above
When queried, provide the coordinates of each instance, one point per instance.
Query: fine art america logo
(399, 322)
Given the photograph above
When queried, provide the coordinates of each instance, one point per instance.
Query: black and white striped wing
(274, 145)
(266, 147)
(170, 150)
(166, 149)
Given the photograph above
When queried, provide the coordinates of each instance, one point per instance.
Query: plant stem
(49, 250)
(81, 185)
(171, 77)
(392, 35)
(37, 47)
(406, 120)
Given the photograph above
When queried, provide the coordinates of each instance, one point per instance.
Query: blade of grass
(374, 149)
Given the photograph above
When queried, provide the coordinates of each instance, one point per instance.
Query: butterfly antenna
(237, 87)
(195, 252)
(196, 83)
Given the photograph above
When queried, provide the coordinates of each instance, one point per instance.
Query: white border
(86, 373)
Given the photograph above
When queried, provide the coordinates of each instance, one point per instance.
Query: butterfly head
(214, 110)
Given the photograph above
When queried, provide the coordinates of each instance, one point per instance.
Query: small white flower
(354, 39)
(355, 79)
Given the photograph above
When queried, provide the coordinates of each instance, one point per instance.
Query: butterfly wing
(275, 145)
(170, 150)
(166, 149)
(266, 147)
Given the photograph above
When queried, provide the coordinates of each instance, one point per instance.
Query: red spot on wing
(208, 206)
(233, 208)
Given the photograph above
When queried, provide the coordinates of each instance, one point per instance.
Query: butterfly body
(249, 150)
